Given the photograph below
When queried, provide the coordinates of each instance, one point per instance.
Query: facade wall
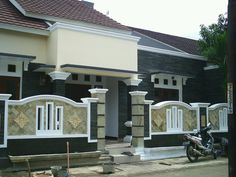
(215, 83)
(149, 62)
(107, 52)
(35, 83)
(24, 44)
(194, 90)
(52, 53)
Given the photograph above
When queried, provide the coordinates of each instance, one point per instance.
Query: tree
(213, 41)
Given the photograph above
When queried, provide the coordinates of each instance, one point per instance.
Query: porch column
(101, 116)
(58, 85)
(3, 119)
(132, 85)
(137, 99)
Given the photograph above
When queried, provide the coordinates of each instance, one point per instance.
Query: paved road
(212, 171)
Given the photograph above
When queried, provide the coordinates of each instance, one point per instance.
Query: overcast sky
(176, 17)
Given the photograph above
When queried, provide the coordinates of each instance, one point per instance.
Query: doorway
(10, 85)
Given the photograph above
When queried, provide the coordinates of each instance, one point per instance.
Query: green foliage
(213, 42)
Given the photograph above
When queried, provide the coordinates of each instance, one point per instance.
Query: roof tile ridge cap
(102, 14)
(114, 24)
(18, 6)
(164, 34)
(112, 20)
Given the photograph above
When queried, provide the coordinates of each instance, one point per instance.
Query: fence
(43, 123)
(167, 121)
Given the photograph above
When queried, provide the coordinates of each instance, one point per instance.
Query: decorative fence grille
(175, 117)
(47, 116)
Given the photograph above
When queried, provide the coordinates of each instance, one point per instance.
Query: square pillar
(137, 101)
(58, 86)
(132, 85)
(101, 116)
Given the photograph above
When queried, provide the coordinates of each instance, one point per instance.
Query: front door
(10, 85)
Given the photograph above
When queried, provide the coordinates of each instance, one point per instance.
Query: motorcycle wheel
(192, 156)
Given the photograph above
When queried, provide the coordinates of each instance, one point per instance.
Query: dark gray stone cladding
(122, 108)
(124, 103)
(59, 87)
(164, 140)
(93, 131)
(35, 83)
(174, 140)
(48, 146)
(215, 85)
(2, 111)
(149, 62)
(146, 120)
(4, 160)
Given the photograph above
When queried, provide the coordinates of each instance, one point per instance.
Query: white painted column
(4, 100)
(149, 103)
(89, 101)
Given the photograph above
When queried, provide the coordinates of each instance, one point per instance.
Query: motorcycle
(200, 144)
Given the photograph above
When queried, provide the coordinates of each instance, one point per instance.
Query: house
(172, 68)
(53, 52)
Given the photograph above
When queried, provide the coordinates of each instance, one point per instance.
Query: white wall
(24, 44)
(88, 49)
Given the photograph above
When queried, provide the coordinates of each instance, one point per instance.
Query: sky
(175, 17)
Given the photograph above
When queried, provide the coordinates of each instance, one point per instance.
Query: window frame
(49, 119)
(174, 119)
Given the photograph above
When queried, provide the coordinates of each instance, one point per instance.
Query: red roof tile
(69, 9)
(187, 45)
(10, 15)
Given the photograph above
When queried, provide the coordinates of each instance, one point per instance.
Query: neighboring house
(172, 68)
(177, 69)
(66, 47)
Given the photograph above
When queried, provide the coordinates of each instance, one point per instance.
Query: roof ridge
(182, 43)
(74, 10)
(162, 33)
(10, 15)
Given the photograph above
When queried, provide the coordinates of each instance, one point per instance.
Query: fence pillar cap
(5, 96)
(136, 93)
(199, 104)
(98, 90)
(89, 100)
(132, 82)
(59, 75)
(148, 102)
